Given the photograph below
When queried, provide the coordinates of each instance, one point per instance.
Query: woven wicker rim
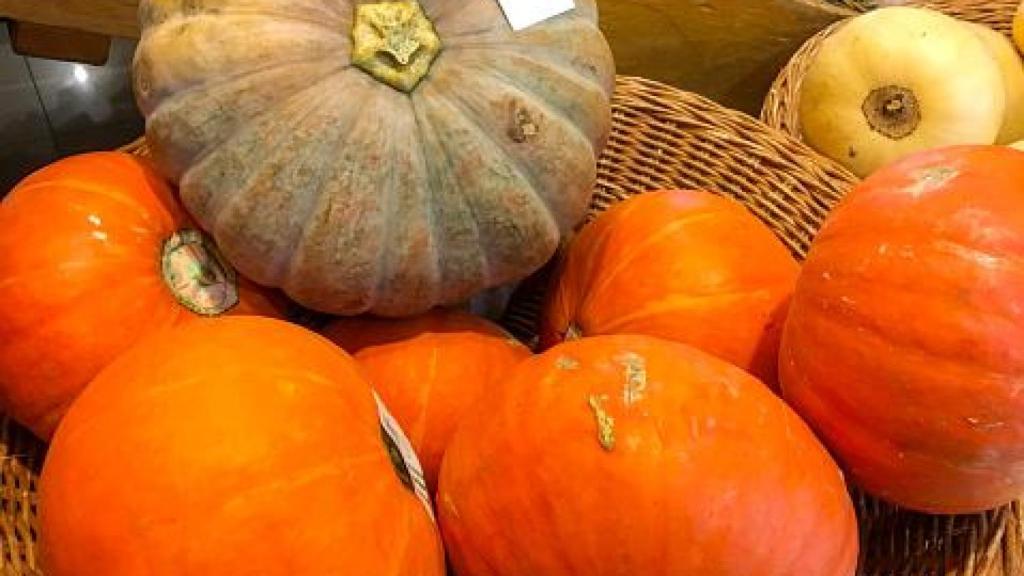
(666, 138)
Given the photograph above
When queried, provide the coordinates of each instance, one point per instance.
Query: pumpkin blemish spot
(567, 363)
(636, 378)
(522, 126)
(605, 422)
(930, 179)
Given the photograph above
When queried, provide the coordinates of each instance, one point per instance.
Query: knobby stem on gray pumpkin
(395, 42)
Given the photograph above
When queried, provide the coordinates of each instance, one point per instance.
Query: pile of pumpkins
(899, 80)
(697, 396)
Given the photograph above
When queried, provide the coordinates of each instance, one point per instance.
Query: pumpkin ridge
(268, 13)
(501, 146)
(249, 124)
(429, 382)
(527, 54)
(637, 250)
(146, 99)
(864, 430)
(533, 50)
(870, 328)
(310, 476)
(958, 249)
(42, 324)
(88, 187)
(388, 213)
(205, 88)
(215, 210)
(517, 166)
(433, 135)
(430, 200)
(669, 303)
(962, 250)
(222, 208)
(149, 20)
(341, 126)
(557, 111)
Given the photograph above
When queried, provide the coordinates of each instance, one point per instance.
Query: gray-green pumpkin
(376, 157)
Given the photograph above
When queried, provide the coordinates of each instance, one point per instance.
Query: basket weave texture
(782, 105)
(665, 138)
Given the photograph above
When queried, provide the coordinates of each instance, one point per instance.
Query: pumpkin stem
(573, 332)
(892, 111)
(395, 42)
(197, 275)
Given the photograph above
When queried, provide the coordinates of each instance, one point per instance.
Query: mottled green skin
(353, 196)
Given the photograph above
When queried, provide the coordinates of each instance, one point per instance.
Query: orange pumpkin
(95, 254)
(430, 370)
(241, 446)
(630, 455)
(682, 265)
(903, 346)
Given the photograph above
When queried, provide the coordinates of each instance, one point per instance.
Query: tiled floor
(51, 109)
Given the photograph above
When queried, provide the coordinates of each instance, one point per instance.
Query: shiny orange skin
(708, 473)
(688, 266)
(80, 278)
(430, 370)
(238, 446)
(903, 347)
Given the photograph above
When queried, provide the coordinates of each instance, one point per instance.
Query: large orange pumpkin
(240, 446)
(630, 455)
(95, 254)
(688, 266)
(430, 370)
(904, 346)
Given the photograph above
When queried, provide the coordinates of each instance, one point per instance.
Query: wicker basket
(782, 105)
(666, 138)
(1003, 552)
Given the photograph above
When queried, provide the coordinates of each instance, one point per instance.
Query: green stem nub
(197, 275)
(395, 42)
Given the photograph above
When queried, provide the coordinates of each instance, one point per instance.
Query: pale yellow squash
(896, 81)
(1013, 81)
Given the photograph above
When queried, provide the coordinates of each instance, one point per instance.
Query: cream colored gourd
(1012, 68)
(898, 80)
(380, 157)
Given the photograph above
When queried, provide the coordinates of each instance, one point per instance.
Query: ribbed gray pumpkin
(376, 157)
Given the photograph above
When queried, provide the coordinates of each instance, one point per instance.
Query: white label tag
(525, 13)
(409, 469)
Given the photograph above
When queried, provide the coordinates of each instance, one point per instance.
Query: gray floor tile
(17, 162)
(26, 141)
(82, 99)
